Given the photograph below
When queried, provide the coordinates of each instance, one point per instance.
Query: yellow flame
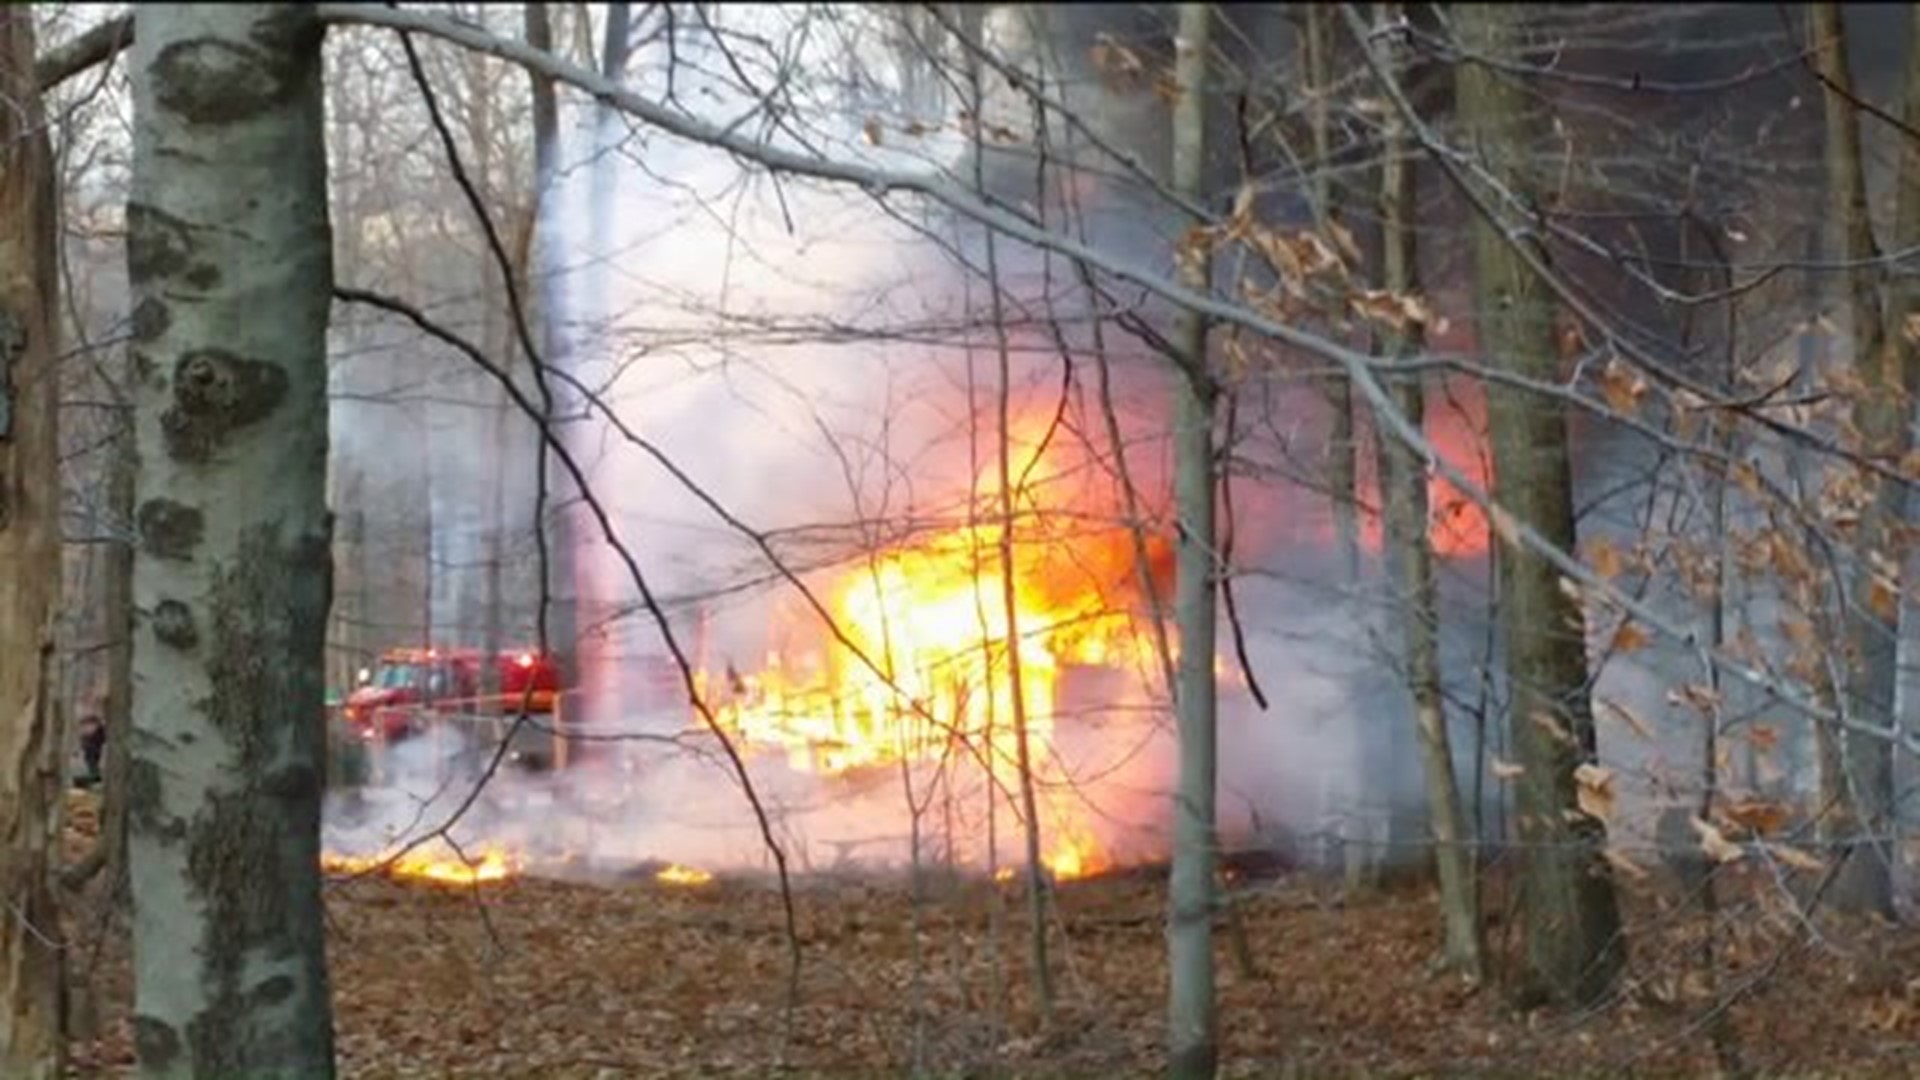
(933, 618)
(429, 863)
(683, 875)
(1076, 854)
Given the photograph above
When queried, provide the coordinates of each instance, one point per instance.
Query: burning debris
(935, 661)
(911, 697)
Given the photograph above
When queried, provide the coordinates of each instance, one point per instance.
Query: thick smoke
(806, 361)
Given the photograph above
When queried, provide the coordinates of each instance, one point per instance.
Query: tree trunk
(1364, 818)
(32, 988)
(1903, 334)
(496, 340)
(229, 262)
(1404, 497)
(1861, 802)
(972, 22)
(1193, 1028)
(1572, 918)
(1342, 448)
(560, 589)
(117, 706)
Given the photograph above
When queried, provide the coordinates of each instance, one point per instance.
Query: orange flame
(683, 875)
(1076, 854)
(923, 660)
(1456, 425)
(429, 863)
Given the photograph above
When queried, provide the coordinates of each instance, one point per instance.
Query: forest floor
(540, 978)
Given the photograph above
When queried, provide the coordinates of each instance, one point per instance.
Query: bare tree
(230, 265)
(1574, 945)
(1403, 487)
(564, 616)
(1858, 778)
(1193, 1028)
(32, 989)
(1342, 448)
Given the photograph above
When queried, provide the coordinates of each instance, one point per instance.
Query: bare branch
(1364, 370)
(97, 46)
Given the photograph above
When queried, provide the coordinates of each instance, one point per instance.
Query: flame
(432, 863)
(1076, 855)
(922, 656)
(1456, 425)
(683, 875)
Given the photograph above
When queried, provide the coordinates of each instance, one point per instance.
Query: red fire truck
(412, 692)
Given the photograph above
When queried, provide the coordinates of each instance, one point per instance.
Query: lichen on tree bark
(229, 258)
(1574, 945)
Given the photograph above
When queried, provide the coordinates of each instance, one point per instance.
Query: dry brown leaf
(1715, 843)
(1628, 717)
(1763, 818)
(1569, 588)
(1396, 311)
(1704, 699)
(1317, 254)
(1237, 361)
(1788, 556)
(1622, 387)
(1606, 558)
(1111, 57)
(1628, 638)
(1883, 598)
(1624, 863)
(1796, 858)
(1594, 793)
(1551, 724)
(1240, 223)
(872, 128)
(1343, 237)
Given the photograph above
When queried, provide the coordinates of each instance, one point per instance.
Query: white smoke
(797, 353)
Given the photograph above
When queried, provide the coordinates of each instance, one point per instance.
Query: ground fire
(677, 874)
(433, 862)
(913, 663)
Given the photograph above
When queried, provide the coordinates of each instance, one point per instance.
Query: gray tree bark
(1342, 448)
(1404, 497)
(1859, 796)
(117, 708)
(561, 586)
(973, 27)
(230, 265)
(32, 975)
(1571, 915)
(1193, 1027)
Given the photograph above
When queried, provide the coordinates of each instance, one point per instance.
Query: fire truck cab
(411, 691)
